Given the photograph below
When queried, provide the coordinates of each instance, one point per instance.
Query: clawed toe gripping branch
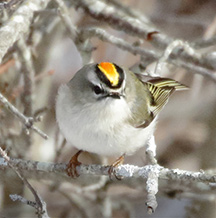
(72, 171)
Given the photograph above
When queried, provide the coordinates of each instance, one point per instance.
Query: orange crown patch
(110, 72)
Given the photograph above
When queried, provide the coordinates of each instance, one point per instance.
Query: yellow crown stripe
(110, 72)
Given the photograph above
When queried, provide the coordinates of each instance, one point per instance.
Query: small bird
(109, 110)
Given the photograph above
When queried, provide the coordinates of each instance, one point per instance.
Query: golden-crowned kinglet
(108, 110)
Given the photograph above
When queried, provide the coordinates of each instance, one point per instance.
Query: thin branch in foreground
(27, 121)
(15, 197)
(40, 205)
(152, 189)
(150, 173)
(125, 171)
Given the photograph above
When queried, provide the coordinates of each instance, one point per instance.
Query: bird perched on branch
(109, 110)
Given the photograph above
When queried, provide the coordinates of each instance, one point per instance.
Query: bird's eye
(98, 90)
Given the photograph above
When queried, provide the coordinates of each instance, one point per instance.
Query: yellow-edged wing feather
(147, 96)
(161, 89)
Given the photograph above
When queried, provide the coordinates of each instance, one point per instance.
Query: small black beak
(114, 95)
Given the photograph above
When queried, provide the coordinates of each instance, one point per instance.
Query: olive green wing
(159, 90)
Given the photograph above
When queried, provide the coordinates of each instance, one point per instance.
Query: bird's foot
(73, 163)
(112, 167)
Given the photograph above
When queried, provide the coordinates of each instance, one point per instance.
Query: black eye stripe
(98, 90)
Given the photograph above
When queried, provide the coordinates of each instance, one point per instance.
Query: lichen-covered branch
(152, 189)
(125, 171)
(149, 173)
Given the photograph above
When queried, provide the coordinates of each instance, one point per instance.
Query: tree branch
(150, 173)
(82, 44)
(133, 26)
(40, 205)
(18, 24)
(125, 171)
(27, 121)
(105, 36)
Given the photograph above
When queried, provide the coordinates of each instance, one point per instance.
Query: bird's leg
(117, 163)
(73, 163)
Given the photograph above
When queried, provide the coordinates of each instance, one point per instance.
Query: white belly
(105, 131)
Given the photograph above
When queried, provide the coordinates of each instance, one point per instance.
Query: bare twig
(82, 44)
(152, 189)
(105, 36)
(103, 12)
(177, 44)
(40, 205)
(28, 71)
(150, 173)
(15, 197)
(18, 24)
(64, 14)
(27, 121)
(203, 43)
(126, 171)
